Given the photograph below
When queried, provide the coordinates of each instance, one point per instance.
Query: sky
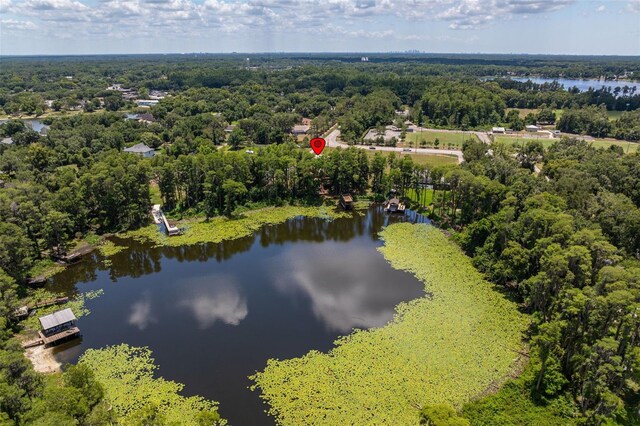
(577, 27)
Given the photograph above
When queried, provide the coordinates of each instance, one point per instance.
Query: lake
(213, 314)
(582, 85)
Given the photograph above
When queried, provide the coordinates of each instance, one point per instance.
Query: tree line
(566, 244)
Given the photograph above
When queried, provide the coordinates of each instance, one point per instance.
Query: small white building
(141, 150)
(531, 128)
(147, 102)
(498, 130)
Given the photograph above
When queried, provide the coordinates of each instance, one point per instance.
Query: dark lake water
(582, 85)
(213, 314)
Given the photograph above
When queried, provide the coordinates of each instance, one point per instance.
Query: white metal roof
(57, 318)
(140, 148)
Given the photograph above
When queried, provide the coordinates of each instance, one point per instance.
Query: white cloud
(473, 13)
(124, 18)
(12, 24)
(5, 6)
(634, 5)
(40, 5)
(601, 8)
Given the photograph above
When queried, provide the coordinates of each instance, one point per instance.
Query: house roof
(139, 148)
(6, 141)
(347, 198)
(146, 117)
(300, 128)
(57, 318)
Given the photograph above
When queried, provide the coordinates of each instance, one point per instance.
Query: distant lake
(34, 123)
(582, 85)
(213, 314)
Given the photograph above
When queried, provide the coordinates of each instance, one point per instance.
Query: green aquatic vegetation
(445, 348)
(222, 228)
(127, 375)
(45, 268)
(77, 305)
(108, 248)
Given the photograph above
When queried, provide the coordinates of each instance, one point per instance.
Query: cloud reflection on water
(342, 292)
(141, 315)
(215, 298)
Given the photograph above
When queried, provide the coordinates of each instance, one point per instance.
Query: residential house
(58, 326)
(146, 119)
(141, 150)
(300, 129)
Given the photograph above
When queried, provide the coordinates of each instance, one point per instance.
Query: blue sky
(609, 27)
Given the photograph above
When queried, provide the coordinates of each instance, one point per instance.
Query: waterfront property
(393, 204)
(58, 326)
(346, 201)
(160, 219)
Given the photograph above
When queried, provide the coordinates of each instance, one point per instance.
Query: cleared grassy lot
(446, 138)
(628, 147)
(429, 160)
(613, 115)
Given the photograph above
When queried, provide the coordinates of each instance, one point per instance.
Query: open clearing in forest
(627, 147)
(447, 348)
(453, 139)
(430, 160)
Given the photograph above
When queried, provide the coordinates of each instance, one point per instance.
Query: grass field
(628, 147)
(446, 138)
(425, 197)
(613, 115)
(432, 160)
(156, 196)
(429, 160)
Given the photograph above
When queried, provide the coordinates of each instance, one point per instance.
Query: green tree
(234, 193)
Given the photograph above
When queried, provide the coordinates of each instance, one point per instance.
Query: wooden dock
(160, 218)
(68, 333)
(56, 301)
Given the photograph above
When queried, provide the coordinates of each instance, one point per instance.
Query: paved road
(332, 141)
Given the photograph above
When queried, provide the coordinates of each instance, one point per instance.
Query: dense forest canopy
(441, 91)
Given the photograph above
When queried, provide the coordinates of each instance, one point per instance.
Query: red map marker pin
(317, 145)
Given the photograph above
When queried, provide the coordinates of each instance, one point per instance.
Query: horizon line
(393, 52)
